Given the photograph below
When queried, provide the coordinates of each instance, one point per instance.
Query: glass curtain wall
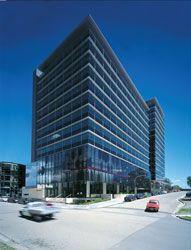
(90, 124)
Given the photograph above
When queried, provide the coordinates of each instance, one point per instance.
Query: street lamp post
(135, 186)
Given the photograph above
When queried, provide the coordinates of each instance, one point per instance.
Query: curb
(181, 205)
(181, 216)
(91, 206)
(11, 243)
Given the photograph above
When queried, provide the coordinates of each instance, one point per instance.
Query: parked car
(139, 195)
(188, 194)
(164, 192)
(156, 193)
(130, 197)
(4, 198)
(153, 205)
(27, 200)
(12, 200)
(23, 201)
(38, 210)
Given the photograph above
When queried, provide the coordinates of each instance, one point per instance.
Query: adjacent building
(90, 124)
(156, 140)
(12, 179)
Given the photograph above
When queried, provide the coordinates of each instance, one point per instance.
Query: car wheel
(37, 218)
(50, 216)
(21, 213)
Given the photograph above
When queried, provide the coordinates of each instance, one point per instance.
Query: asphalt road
(166, 233)
(121, 226)
(168, 202)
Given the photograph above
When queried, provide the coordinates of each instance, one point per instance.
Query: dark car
(27, 200)
(130, 197)
(140, 195)
(188, 194)
(23, 201)
(155, 193)
(12, 200)
(34, 200)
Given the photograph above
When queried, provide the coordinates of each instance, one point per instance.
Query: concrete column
(117, 188)
(43, 191)
(104, 188)
(87, 188)
(59, 188)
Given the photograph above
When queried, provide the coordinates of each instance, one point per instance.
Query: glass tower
(156, 136)
(90, 124)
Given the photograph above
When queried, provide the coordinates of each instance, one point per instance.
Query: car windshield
(153, 202)
(37, 204)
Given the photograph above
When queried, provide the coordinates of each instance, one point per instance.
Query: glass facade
(90, 124)
(156, 136)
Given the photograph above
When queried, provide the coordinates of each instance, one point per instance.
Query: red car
(153, 205)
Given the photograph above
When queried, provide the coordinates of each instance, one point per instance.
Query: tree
(176, 188)
(167, 184)
(167, 180)
(189, 181)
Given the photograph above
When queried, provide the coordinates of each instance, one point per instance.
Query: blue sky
(151, 39)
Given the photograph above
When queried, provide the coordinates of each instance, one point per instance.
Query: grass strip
(84, 202)
(4, 246)
(186, 218)
(184, 211)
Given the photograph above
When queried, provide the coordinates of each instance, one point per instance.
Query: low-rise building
(12, 179)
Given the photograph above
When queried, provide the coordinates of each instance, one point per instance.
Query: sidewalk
(90, 206)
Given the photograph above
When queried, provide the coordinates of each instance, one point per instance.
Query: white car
(38, 210)
(164, 192)
(4, 198)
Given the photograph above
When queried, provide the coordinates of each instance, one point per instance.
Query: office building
(12, 179)
(90, 124)
(156, 140)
